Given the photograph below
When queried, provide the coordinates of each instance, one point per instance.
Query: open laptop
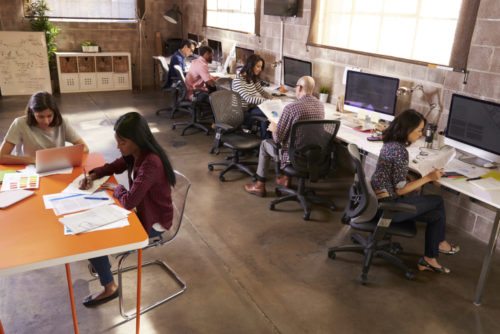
(58, 158)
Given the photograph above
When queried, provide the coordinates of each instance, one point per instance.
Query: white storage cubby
(84, 72)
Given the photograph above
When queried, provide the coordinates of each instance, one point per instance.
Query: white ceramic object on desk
(323, 97)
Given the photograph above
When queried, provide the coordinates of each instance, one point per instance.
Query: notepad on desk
(488, 183)
(74, 187)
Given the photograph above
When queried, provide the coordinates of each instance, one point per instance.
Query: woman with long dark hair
(151, 178)
(247, 85)
(42, 127)
(390, 184)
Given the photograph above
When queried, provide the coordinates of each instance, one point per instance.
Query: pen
(473, 178)
(69, 196)
(97, 198)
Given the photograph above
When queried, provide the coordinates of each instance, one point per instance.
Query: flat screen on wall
(281, 7)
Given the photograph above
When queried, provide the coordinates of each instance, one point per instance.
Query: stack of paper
(94, 218)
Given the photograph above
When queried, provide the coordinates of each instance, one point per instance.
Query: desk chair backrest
(164, 65)
(363, 203)
(226, 106)
(179, 196)
(311, 146)
(181, 84)
(224, 83)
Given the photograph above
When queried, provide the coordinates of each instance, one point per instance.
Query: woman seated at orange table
(150, 176)
(42, 127)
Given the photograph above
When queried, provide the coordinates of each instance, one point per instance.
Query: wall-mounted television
(371, 93)
(281, 7)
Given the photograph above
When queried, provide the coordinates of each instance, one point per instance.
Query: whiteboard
(24, 65)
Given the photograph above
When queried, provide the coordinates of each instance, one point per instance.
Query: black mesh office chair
(195, 108)
(175, 95)
(310, 151)
(224, 83)
(364, 213)
(228, 113)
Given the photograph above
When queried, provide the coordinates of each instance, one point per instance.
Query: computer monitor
(294, 69)
(372, 94)
(242, 55)
(473, 127)
(217, 47)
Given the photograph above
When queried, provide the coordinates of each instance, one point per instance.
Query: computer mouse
(489, 165)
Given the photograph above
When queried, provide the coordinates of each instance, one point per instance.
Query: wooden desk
(33, 238)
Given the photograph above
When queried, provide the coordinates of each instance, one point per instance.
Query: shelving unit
(91, 72)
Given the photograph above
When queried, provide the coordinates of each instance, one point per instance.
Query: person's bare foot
(448, 248)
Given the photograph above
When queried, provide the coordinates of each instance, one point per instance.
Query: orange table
(33, 238)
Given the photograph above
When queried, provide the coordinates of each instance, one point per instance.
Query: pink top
(197, 76)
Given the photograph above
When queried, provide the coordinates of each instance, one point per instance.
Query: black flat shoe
(90, 302)
(424, 265)
(453, 250)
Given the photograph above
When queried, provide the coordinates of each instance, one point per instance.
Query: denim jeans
(102, 266)
(264, 134)
(430, 210)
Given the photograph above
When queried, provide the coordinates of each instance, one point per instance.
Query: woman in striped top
(247, 85)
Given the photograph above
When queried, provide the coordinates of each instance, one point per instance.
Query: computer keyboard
(350, 123)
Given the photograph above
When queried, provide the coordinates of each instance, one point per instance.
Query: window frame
(459, 50)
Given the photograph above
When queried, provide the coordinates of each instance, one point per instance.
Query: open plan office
(249, 166)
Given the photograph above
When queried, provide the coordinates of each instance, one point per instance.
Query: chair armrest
(224, 126)
(397, 207)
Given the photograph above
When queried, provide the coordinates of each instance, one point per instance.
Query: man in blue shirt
(178, 58)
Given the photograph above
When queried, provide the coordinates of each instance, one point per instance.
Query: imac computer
(293, 69)
(371, 94)
(473, 127)
(217, 47)
(242, 55)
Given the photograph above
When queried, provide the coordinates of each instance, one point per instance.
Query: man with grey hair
(307, 107)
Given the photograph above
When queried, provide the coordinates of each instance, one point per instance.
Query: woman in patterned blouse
(390, 184)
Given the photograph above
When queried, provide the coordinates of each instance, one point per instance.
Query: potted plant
(323, 93)
(37, 13)
(89, 46)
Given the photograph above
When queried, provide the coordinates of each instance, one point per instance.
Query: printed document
(64, 203)
(93, 218)
(435, 159)
(272, 109)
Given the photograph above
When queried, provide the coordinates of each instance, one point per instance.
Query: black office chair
(195, 107)
(310, 151)
(226, 106)
(174, 94)
(364, 213)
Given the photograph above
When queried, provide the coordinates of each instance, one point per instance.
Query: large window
(237, 15)
(423, 31)
(92, 9)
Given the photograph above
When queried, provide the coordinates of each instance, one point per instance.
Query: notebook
(7, 198)
(58, 158)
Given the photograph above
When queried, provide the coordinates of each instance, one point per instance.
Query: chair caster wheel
(222, 178)
(277, 192)
(354, 241)
(345, 219)
(333, 208)
(363, 278)
(307, 216)
(271, 207)
(332, 255)
(410, 275)
(173, 127)
(210, 168)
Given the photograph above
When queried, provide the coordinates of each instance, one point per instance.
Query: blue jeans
(103, 267)
(430, 210)
(248, 121)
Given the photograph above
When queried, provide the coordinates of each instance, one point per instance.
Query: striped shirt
(251, 94)
(306, 108)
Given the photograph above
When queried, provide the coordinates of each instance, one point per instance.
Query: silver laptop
(51, 159)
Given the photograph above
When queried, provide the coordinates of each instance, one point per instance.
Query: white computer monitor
(473, 127)
(371, 94)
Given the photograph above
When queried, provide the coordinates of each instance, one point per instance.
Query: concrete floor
(248, 269)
